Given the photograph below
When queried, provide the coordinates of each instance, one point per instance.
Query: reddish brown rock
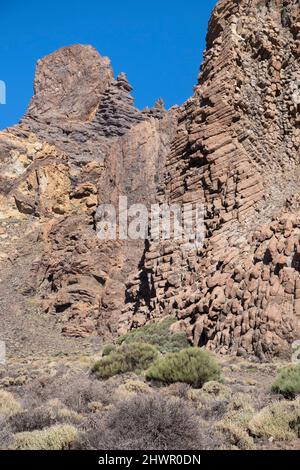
(232, 147)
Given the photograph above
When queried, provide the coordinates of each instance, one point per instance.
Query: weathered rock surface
(233, 147)
(237, 153)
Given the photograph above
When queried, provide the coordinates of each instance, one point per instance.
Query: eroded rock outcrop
(233, 147)
(237, 153)
(81, 143)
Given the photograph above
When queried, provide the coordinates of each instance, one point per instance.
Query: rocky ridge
(233, 147)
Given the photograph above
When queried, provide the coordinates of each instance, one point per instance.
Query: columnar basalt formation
(233, 147)
(237, 153)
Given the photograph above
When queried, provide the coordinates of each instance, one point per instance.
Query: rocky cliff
(237, 152)
(233, 147)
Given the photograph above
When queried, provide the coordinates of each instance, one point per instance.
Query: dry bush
(216, 390)
(280, 421)
(35, 419)
(65, 415)
(54, 412)
(239, 411)
(231, 428)
(74, 390)
(160, 335)
(6, 436)
(193, 366)
(287, 381)
(46, 387)
(108, 349)
(178, 389)
(231, 437)
(83, 392)
(132, 387)
(151, 422)
(59, 437)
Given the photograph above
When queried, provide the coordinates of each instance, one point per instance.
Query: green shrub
(159, 335)
(287, 381)
(233, 437)
(133, 357)
(31, 420)
(193, 366)
(145, 422)
(54, 438)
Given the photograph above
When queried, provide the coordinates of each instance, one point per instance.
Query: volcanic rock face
(233, 147)
(81, 144)
(237, 152)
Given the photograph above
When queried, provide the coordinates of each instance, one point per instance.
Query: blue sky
(159, 44)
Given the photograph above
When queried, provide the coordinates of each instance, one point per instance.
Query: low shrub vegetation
(158, 334)
(214, 390)
(82, 392)
(287, 381)
(42, 417)
(59, 437)
(74, 389)
(8, 405)
(211, 400)
(31, 420)
(146, 423)
(108, 349)
(193, 366)
(280, 421)
(6, 436)
(239, 411)
(132, 357)
(132, 387)
(233, 437)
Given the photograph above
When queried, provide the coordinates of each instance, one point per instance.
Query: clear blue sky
(159, 44)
